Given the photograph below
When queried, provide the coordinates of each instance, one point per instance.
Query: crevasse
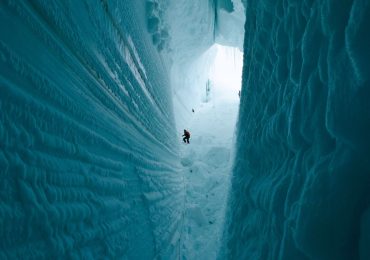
(92, 94)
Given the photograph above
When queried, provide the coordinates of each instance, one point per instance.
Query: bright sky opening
(226, 72)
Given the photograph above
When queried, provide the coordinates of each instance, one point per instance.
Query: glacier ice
(301, 180)
(93, 94)
(89, 155)
(89, 160)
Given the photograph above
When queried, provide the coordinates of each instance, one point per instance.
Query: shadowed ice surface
(92, 97)
(302, 172)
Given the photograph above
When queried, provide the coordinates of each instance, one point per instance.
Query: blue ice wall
(88, 156)
(301, 182)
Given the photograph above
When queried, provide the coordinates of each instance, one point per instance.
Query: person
(192, 110)
(186, 136)
(239, 93)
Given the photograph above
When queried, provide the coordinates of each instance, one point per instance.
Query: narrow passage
(207, 163)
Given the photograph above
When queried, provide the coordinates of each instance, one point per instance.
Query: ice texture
(89, 154)
(230, 23)
(301, 182)
(91, 94)
(89, 161)
(194, 27)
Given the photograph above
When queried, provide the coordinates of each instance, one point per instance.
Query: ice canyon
(94, 95)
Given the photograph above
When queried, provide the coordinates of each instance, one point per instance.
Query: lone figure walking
(186, 136)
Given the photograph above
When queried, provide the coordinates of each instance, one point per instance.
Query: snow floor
(207, 169)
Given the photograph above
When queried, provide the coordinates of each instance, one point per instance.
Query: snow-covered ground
(207, 170)
(207, 160)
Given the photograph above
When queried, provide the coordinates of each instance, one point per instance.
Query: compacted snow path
(207, 162)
